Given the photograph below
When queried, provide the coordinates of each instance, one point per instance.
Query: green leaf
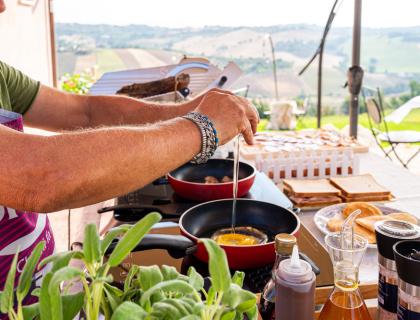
(195, 279)
(44, 298)
(64, 274)
(111, 235)
(25, 279)
(238, 278)
(163, 310)
(191, 317)
(129, 311)
(131, 274)
(229, 315)
(169, 273)
(132, 238)
(91, 244)
(113, 295)
(238, 298)
(36, 292)
(218, 265)
(252, 313)
(72, 304)
(167, 286)
(6, 302)
(30, 311)
(149, 276)
(61, 259)
(179, 305)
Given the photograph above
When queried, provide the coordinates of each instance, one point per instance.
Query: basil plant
(150, 292)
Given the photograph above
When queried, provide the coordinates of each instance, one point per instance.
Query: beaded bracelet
(209, 140)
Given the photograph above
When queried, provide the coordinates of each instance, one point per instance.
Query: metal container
(407, 259)
(387, 234)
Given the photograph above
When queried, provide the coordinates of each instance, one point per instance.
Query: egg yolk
(236, 239)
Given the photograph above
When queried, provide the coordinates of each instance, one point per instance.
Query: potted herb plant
(151, 292)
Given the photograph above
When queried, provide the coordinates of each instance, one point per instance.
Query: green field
(411, 122)
(108, 60)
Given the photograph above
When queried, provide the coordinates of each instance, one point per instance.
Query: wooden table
(404, 185)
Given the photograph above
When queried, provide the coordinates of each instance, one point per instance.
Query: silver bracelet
(209, 140)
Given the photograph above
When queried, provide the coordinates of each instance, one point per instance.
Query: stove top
(160, 197)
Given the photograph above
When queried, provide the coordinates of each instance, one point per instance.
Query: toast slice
(361, 185)
(311, 188)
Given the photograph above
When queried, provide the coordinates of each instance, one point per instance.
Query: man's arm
(46, 174)
(57, 110)
(69, 170)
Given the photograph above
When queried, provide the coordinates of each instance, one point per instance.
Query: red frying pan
(188, 180)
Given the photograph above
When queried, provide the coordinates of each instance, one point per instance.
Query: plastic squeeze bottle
(295, 289)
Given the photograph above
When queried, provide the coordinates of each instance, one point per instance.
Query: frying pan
(202, 220)
(188, 180)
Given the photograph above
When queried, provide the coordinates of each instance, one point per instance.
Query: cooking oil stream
(235, 180)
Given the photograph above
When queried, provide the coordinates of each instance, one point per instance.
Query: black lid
(389, 232)
(408, 266)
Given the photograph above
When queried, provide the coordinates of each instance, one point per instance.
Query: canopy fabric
(399, 114)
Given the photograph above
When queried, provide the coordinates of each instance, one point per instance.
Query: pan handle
(177, 246)
(314, 267)
(137, 210)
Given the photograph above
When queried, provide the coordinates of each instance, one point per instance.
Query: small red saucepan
(203, 220)
(188, 180)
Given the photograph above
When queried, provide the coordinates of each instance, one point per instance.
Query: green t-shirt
(17, 91)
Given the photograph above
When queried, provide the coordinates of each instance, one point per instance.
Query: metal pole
(354, 98)
(319, 102)
(273, 57)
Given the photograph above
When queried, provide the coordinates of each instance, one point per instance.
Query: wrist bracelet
(209, 140)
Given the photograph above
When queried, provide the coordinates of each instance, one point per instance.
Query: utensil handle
(176, 245)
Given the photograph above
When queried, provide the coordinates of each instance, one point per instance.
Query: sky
(198, 13)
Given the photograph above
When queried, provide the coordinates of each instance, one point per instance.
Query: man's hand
(230, 114)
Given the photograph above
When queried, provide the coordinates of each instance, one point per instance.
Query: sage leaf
(129, 311)
(111, 235)
(195, 279)
(131, 274)
(252, 313)
(64, 274)
(30, 311)
(229, 315)
(36, 292)
(149, 276)
(72, 304)
(44, 298)
(218, 265)
(6, 302)
(191, 317)
(238, 278)
(238, 298)
(179, 305)
(91, 244)
(163, 310)
(61, 259)
(168, 286)
(133, 236)
(25, 279)
(169, 273)
(113, 295)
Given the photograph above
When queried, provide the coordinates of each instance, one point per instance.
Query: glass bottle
(345, 302)
(284, 244)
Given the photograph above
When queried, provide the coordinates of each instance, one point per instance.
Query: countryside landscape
(390, 56)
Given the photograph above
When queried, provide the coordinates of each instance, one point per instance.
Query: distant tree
(414, 88)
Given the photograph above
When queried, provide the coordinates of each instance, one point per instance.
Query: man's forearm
(119, 110)
(76, 169)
